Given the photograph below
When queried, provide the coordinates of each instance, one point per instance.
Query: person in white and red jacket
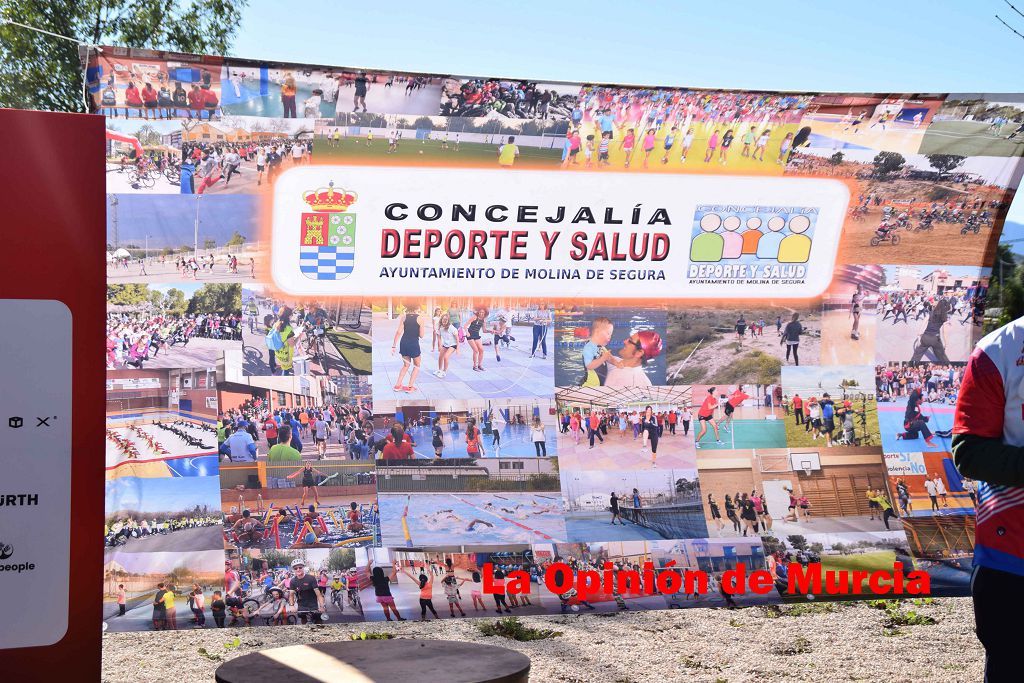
(988, 446)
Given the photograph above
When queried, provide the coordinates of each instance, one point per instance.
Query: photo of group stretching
(609, 347)
(931, 314)
(795, 491)
(463, 348)
(632, 505)
(830, 406)
(628, 428)
(726, 345)
(916, 402)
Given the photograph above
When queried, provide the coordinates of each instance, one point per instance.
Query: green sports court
(412, 151)
(746, 433)
(971, 138)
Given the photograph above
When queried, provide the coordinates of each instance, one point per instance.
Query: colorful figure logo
(327, 234)
(736, 234)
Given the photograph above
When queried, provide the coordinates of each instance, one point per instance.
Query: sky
(938, 46)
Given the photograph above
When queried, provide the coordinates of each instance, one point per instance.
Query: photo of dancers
(461, 349)
(740, 346)
(929, 485)
(609, 347)
(849, 319)
(915, 405)
(628, 428)
(931, 314)
(624, 505)
(830, 406)
(794, 491)
(738, 416)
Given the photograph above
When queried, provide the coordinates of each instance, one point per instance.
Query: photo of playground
(173, 238)
(913, 208)
(738, 416)
(446, 582)
(944, 547)
(255, 89)
(632, 505)
(931, 314)
(740, 346)
(840, 554)
(713, 556)
(160, 423)
(610, 347)
(609, 428)
(423, 348)
(794, 491)
(190, 577)
(696, 131)
(849, 317)
(929, 485)
(328, 338)
(916, 402)
(258, 586)
(830, 406)
(143, 156)
(241, 154)
(479, 97)
(977, 124)
(335, 508)
(848, 122)
(419, 519)
(394, 139)
(122, 83)
(162, 514)
(164, 326)
(510, 428)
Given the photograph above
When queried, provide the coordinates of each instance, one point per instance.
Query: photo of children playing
(445, 582)
(916, 403)
(628, 428)
(461, 349)
(609, 347)
(931, 314)
(828, 406)
(740, 346)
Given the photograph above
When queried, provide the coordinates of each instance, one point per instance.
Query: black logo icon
(6, 550)
(15, 422)
(44, 421)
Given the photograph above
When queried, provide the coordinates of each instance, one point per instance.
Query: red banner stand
(53, 238)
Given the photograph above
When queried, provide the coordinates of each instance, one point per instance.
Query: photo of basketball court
(653, 505)
(743, 416)
(831, 490)
(929, 485)
(620, 442)
(896, 123)
(931, 313)
(418, 519)
(739, 346)
(849, 319)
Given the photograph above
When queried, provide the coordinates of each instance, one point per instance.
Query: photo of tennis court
(611, 428)
(916, 402)
(742, 416)
(632, 505)
(490, 142)
(470, 518)
(710, 345)
(977, 124)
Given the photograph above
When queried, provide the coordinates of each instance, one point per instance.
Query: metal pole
(195, 244)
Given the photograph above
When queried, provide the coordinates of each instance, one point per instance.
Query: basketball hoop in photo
(805, 462)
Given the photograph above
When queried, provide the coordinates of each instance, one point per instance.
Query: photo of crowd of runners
(274, 458)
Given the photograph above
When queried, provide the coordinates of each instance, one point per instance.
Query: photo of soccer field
(973, 138)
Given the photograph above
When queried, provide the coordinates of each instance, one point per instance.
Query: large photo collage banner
(273, 458)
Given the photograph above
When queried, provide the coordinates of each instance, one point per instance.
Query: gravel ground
(814, 641)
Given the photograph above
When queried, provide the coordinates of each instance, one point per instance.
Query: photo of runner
(732, 345)
(831, 406)
(487, 142)
(977, 124)
(916, 403)
(930, 314)
(175, 238)
(628, 428)
(162, 591)
(850, 311)
(651, 504)
(460, 349)
(320, 338)
(254, 89)
(169, 326)
(609, 347)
